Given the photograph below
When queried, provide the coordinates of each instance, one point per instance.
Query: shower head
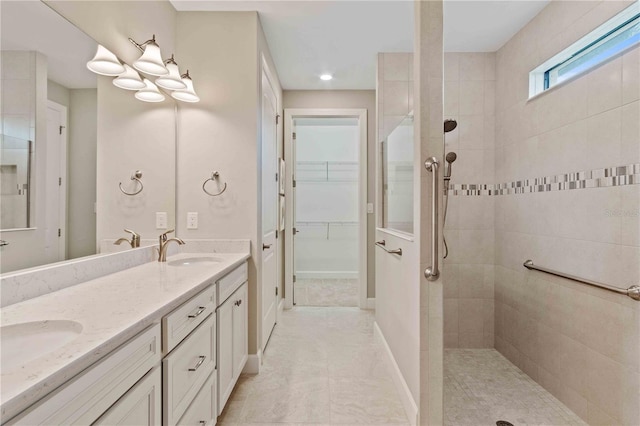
(449, 125)
(451, 157)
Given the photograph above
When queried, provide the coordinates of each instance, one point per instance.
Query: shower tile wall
(394, 90)
(580, 343)
(469, 97)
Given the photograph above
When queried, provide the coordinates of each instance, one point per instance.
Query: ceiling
(32, 25)
(311, 37)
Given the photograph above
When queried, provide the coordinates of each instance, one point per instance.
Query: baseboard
(371, 303)
(409, 404)
(253, 363)
(305, 275)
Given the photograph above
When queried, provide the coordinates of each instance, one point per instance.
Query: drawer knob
(200, 310)
(199, 363)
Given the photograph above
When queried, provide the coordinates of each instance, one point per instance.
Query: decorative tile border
(597, 178)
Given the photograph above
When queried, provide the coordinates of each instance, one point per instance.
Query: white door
(269, 209)
(55, 232)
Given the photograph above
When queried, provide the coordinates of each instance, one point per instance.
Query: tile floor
(481, 387)
(326, 292)
(322, 366)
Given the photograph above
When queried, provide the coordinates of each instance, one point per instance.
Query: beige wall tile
(631, 76)
(471, 97)
(472, 66)
(604, 390)
(396, 66)
(630, 133)
(605, 87)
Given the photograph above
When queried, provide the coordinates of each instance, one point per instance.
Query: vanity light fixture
(171, 81)
(105, 63)
(150, 62)
(150, 93)
(129, 80)
(326, 77)
(188, 94)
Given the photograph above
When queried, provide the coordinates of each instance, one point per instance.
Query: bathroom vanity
(153, 344)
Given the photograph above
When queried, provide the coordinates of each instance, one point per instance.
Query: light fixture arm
(186, 75)
(171, 60)
(143, 45)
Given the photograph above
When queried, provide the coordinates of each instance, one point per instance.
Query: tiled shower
(553, 179)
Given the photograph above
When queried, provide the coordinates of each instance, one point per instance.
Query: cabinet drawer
(186, 368)
(230, 282)
(202, 410)
(140, 406)
(179, 323)
(91, 393)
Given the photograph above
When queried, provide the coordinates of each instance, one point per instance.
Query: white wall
(348, 99)
(131, 135)
(327, 200)
(81, 173)
(222, 133)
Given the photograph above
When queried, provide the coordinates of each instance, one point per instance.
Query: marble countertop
(111, 309)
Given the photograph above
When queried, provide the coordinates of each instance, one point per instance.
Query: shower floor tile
(326, 292)
(482, 387)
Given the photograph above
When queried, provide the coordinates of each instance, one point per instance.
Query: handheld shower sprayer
(450, 158)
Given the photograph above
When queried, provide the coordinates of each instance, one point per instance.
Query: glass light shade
(129, 80)
(188, 94)
(150, 93)
(172, 81)
(105, 63)
(151, 61)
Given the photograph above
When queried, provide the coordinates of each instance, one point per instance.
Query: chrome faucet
(134, 242)
(164, 243)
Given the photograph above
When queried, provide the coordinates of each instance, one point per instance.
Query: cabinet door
(141, 405)
(225, 351)
(240, 330)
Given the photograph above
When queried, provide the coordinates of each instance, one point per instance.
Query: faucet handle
(163, 236)
(133, 233)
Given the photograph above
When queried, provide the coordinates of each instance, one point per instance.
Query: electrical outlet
(161, 220)
(369, 208)
(192, 220)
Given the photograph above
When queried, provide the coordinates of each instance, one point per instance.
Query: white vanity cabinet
(232, 315)
(86, 397)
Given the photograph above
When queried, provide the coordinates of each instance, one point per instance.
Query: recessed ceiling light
(326, 77)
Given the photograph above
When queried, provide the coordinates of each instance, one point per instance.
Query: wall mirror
(69, 137)
(397, 176)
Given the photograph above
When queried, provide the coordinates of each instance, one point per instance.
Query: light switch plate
(161, 220)
(192, 220)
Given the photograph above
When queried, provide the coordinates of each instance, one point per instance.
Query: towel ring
(214, 177)
(136, 176)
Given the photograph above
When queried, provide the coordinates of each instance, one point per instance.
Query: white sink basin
(194, 261)
(27, 341)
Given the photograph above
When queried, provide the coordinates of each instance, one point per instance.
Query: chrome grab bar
(383, 245)
(433, 272)
(633, 291)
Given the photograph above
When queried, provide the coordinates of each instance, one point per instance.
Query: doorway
(325, 258)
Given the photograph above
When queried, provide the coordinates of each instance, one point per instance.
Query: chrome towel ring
(136, 177)
(214, 177)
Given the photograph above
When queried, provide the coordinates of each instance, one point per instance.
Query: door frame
(62, 169)
(289, 115)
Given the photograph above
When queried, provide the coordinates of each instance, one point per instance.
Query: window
(611, 38)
